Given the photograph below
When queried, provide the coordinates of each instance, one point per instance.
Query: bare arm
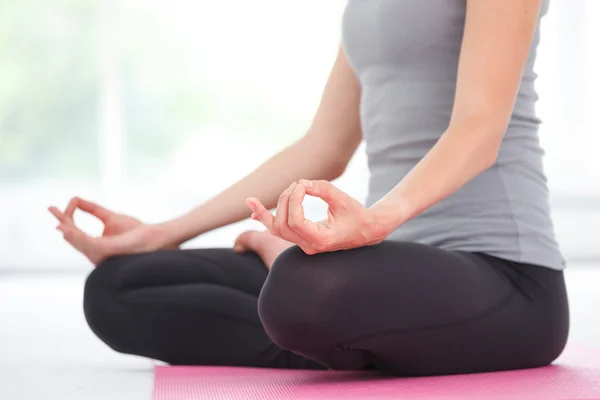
(323, 153)
(496, 43)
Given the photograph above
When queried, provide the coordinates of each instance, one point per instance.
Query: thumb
(325, 190)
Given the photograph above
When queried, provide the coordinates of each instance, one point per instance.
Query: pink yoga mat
(575, 375)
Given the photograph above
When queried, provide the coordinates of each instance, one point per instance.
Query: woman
(452, 267)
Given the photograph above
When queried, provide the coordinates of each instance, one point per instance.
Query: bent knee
(300, 300)
(100, 305)
(98, 287)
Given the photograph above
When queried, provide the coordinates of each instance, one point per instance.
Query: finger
(79, 239)
(71, 207)
(325, 190)
(281, 214)
(262, 214)
(95, 249)
(315, 234)
(56, 212)
(95, 209)
(281, 224)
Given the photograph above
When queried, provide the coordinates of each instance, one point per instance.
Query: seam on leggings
(119, 295)
(484, 314)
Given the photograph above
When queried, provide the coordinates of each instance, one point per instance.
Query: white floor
(47, 351)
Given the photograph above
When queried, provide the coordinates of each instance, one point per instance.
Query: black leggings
(403, 308)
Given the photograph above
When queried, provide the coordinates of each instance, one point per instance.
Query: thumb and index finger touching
(326, 191)
(84, 205)
(323, 189)
(88, 206)
(67, 226)
(80, 240)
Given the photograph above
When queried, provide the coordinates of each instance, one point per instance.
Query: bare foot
(267, 246)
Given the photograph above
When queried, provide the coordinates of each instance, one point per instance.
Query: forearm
(322, 153)
(496, 43)
(462, 153)
(267, 182)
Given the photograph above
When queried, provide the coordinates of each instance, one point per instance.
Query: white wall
(255, 81)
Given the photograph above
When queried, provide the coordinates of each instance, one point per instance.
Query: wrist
(164, 234)
(387, 216)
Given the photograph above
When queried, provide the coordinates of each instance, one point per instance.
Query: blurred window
(153, 106)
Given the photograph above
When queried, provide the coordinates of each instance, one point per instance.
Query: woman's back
(405, 54)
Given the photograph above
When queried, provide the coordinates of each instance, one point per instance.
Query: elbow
(489, 157)
(335, 169)
(495, 135)
(339, 158)
(326, 162)
(481, 137)
(486, 151)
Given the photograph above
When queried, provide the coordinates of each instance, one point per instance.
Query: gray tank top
(405, 54)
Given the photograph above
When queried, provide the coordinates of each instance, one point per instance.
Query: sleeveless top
(405, 54)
